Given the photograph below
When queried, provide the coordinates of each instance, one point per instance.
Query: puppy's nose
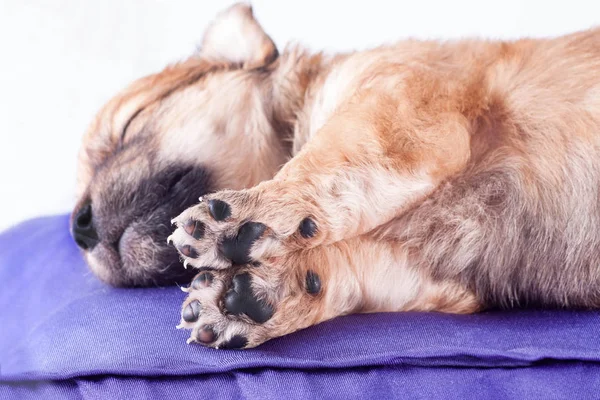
(84, 232)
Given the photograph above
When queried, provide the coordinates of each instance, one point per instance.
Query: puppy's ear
(235, 36)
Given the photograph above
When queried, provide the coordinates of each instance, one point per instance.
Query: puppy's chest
(381, 71)
(329, 92)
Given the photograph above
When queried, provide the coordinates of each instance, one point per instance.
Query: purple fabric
(573, 381)
(58, 323)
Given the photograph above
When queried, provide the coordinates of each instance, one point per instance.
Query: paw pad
(195, 229)
(188, 251)
(206, 334)
(191, 312)
(307, 228)
(241, 300)
(237, 248)
(313, 283)
(203, 280)
(236, 342)
(219, 210)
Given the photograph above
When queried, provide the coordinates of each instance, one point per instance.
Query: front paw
(243, 227)
(245, 306)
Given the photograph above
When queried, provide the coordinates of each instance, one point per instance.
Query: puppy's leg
(246, 306)
(374, 158)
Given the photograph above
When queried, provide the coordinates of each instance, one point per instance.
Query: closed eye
(135, 114)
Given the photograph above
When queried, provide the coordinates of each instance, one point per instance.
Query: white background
(60, 60)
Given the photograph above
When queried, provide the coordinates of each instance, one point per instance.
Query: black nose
(84, 233)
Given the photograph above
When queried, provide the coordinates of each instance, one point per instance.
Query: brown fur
(448, 176)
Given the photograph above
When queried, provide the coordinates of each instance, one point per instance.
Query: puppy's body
(424, 176)
(514, 222)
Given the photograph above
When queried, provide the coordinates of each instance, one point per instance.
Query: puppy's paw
(243, 227)
(245, 306)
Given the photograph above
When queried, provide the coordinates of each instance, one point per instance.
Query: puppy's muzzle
(83, 229)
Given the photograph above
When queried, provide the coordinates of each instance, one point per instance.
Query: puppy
(452, 176)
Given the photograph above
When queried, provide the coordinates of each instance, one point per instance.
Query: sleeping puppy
(453, 177)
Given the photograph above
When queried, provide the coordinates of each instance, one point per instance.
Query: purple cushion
(58, 322)
(557, 381)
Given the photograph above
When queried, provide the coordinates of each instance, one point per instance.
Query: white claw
(185, 263)
(201, 199)
(174, 221)
(184, 289)
(190, 340)
(170, 239)
(180, 326)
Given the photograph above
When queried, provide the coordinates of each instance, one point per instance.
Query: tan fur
(407, 157)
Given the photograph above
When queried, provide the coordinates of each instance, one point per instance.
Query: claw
(190, 340)
(180, 326)
(174, 221)
(170, 239)
(185, 264)
(183, 288)
(201, 199)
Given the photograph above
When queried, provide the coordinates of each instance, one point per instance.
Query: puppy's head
(198, 126)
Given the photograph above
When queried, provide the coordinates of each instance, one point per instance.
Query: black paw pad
(203, 280)
(236, 342)
(240, 300)
(192, 311)
(188, 251)
(307, 228)
(206, 334)
(219, 210)
(194, 228)
(237, 249)
(313, 283)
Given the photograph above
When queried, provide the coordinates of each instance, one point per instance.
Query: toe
(195, 229)
(203, 280)
(206, 334)
(219, 210)
(188, 251)
(191, 312)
